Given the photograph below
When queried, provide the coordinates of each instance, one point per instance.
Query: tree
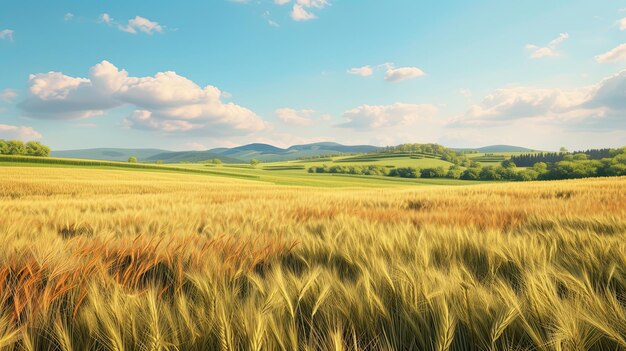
(527, 175)
(508, 164)
(34, 148)
(4, 147)
(437, 172)
(254, 162)
(490, 173)
(563, 149)
(132, 159)
(540, 167)
(16, 147)
(471, 174)
(216, 161)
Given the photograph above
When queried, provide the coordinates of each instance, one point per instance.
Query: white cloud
(609, 95)
(166, 101)
(402, 73)
(298, 13)
(134, 25)
(364, 71)
(10, 132)
(68, 16)
(548, 51)
(383, 116)
(106, 18)
(141, 24)
(616, 54)
(281, 2)
(599, 106)
(7, 95)
(622, 24)
(6, 34)
(520, 102)
(300, 10)
(293, 117)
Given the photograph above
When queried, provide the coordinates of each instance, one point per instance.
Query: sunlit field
(136, 260)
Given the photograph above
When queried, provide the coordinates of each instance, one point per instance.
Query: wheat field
(137, 260)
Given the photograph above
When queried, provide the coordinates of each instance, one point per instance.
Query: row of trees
(429, 149)
(17, 147)
(572, 166)
(359, 170)
(528, 160)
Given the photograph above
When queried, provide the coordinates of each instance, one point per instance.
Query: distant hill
(108, 154)
(244, 153)
(269, 153)
(189, 156)
(239, 154)
(496, 148)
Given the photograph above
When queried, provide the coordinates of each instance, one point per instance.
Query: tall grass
(112, 260)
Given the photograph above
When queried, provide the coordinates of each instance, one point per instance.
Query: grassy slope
(283, 177)
(111, 259)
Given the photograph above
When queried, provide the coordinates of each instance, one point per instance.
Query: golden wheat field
(133, 260)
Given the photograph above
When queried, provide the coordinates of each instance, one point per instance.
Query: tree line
(528, 160)
(571, 166)
(19, 148)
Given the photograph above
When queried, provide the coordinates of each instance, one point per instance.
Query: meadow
(137, 259)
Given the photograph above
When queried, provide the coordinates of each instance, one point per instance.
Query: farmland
(112, 259)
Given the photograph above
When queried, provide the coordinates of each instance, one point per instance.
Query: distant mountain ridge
(496, 148)
(239, 154)
(244, 153)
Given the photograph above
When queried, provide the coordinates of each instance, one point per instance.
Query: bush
(438, 172)
(16, 147)
(405, 172)
(471, 174)
(132, 159)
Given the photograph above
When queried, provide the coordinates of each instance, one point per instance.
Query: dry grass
(120, 260)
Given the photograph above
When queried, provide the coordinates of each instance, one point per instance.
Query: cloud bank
(166, 101)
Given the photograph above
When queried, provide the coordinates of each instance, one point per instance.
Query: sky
(198, 74)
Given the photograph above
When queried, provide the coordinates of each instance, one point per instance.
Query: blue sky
(202, 74)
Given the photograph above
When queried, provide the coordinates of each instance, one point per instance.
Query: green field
(280, 173)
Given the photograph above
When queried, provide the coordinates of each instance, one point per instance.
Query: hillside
(107, 154)
(239, 154)
(496, 148)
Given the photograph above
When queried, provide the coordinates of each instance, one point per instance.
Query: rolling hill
(107, 154)
(496, 148)
(240, 154)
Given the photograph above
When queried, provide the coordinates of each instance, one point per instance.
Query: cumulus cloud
(622, 24)
(402, 73)
(166, 101)
(301, 9)
(383, 116)
(134, 25)
(364, 71)
(293, 117)
(10, 132)
(609, 95)
(547, 51)
(7, 95)
(68, 16)
(602, 103)
(6, 34)
(106, 18)
(141, 24)
(616, 54)
(281, 2)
